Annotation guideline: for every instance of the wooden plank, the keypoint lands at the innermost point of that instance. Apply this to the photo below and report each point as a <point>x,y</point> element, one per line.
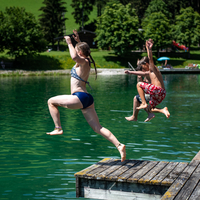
<point>103,175</point>
<point>190,185</point>
<point>123,177</point>
<point>147,177</point>
<point>197,157</point>
<point>94,173</point>
<point>196,193</point>
<point>163,173</point>
<point>114,175</point>
<point>90,168</point>
<point>139,174</point>
<point>114,194</point>
<point>180,181</point>
<point>172,176</point>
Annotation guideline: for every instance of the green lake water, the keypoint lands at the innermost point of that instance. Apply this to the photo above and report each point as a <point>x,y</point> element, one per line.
<point>34,165</point>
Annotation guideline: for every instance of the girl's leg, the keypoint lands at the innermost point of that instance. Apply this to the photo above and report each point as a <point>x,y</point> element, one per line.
<point>67,101</point>
<point>142,96</point>
<point>92,119</point>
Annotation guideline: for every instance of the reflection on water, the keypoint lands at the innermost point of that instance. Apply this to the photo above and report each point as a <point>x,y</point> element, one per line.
<point>34,165</point>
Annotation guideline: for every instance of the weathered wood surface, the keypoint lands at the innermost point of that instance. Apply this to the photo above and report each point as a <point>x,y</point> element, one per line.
<point>134,171</point>
<point>197,157</point>
<point>182,180</point>
<point>176,180</point>
<point>186,185</point>
<point>136,176</point>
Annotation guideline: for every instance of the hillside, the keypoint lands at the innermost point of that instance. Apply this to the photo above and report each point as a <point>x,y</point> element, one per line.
<point>34,6</point>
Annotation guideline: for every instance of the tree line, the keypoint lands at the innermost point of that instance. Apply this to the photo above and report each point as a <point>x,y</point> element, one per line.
<point>122,25</point>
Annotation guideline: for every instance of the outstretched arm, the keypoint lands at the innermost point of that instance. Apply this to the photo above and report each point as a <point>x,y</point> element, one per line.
<point>139,73</point>
<point>149,45</point>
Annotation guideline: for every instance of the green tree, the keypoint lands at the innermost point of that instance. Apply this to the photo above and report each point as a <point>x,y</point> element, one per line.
<point>187,27</point>
<point>52,19</point>
<point>140,6</point>
<point>157,6</point>
<point>174,7</point>
<point>157,27</point>
<point>100,5</point>
<point>82,9</point>
<point>118,28</point>
<point>20,33</point>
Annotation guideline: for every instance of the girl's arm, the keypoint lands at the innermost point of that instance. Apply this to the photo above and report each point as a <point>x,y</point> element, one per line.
<point>138,73</point>
<point>73,52</point>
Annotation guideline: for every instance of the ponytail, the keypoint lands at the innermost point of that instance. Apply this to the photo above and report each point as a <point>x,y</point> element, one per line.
<point>94,65</point>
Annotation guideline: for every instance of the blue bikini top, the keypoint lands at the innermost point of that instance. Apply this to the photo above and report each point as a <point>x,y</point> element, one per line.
<point>75,75</point>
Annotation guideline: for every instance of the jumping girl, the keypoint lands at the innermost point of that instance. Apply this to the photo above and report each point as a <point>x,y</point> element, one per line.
<point>80,98</point>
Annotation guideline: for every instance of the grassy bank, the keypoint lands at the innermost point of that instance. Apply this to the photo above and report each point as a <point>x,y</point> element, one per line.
<point>55,60</point>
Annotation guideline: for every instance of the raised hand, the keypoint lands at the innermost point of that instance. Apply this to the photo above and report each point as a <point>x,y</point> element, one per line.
<point>76,36</point>
<point>150,43</point>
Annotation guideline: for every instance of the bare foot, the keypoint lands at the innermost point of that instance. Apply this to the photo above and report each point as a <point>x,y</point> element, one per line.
<point>150,117</point>
<point>131,118</point>
<point>142,106</point>
<point>166,112</point>
<point>56,131</point>
<point>122,150</point>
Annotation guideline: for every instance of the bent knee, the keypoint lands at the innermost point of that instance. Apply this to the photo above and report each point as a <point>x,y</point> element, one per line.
<point>138,84</point>
<point>96,128</point>
<point>50,102</point>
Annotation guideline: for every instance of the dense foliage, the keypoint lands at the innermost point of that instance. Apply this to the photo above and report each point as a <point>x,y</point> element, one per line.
<point>156,24</point>
<point>117,28</point>
<point>82,9</point>
<point>52,19</point>
<point>118,24</point>
<point>20,33</point>
<point>158,29</point>
<point>187,27</point>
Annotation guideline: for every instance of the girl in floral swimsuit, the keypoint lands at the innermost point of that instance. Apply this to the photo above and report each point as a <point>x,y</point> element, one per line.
<point>80,98</point>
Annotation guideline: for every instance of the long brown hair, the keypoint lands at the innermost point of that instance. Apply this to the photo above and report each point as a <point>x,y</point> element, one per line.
<point>84,47</point>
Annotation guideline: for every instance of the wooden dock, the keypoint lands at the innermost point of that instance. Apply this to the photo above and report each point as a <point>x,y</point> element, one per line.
<point>140,179</point>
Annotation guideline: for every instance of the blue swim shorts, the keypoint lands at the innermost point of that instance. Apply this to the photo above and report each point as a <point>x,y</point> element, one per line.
<point>85,98</point>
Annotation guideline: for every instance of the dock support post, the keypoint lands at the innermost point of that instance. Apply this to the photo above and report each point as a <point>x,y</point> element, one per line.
<point>78,187</point>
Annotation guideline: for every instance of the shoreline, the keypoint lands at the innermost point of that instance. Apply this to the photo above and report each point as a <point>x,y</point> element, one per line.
<point>100,71</point>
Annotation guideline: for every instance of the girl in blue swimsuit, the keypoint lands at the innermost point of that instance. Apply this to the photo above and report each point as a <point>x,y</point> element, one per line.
<point>80,98</point>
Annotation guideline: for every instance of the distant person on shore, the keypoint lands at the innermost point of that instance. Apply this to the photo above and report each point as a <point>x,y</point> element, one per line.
<point>80,98</point>
<point>156,88</point>
<point>3,65</point>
